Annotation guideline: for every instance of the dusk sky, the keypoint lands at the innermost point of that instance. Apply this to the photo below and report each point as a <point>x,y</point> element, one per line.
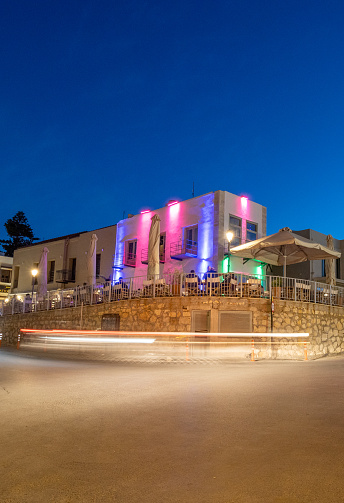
<point>110,107</point>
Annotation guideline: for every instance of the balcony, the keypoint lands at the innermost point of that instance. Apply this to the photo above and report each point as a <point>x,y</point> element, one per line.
<point>65,276</point>
<point>144,256</point>
<point>180,251</point>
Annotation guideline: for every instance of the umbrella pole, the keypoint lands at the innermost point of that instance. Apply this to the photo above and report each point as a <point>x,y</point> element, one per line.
<point>285,266</point>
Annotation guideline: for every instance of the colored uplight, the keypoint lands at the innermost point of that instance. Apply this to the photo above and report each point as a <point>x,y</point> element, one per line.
<point>244,200</point>
<point>171,203</point>
<point>145,211</point>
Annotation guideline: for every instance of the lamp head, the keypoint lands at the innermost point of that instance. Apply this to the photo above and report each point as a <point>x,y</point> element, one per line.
<point>229,236</point>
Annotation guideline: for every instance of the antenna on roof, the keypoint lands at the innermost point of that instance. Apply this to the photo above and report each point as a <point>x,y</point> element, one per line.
<point>193,189</point>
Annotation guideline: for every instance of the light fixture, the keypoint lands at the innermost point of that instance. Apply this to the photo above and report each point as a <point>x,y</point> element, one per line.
<point>229,236</point>
<point>145,211</point>
<point>34,273</point>
<point>172,202</point>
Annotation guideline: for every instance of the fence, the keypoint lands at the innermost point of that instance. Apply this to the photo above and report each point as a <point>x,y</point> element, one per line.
<point>171,285</point>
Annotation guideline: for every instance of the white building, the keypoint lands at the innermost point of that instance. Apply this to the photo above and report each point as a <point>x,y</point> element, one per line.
<point>66,260</point>
<point>6,264</point>
<point>192,236</point>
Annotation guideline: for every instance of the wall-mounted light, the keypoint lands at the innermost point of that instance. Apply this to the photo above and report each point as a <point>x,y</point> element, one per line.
<point>172,202</point>
<point>145,211</point>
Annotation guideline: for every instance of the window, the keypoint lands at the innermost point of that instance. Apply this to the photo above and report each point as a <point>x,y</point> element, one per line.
<point>162,246</point>
<point>130,253</point>
<point>51,271</point>
<point>323,269</point>
<point>235,225</point>
<point>191,240</point>
<point>338,268</point>
<point>98,256</point>
<point>72,269</point>
<point>251,231</point>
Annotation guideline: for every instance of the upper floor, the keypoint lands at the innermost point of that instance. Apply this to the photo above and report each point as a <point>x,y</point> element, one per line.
<point>192,235</point>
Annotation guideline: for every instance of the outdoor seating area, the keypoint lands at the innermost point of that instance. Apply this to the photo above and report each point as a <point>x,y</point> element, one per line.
<point>216,284</point>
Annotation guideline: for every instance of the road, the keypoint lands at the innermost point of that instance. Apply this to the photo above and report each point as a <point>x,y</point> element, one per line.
<point>240,432</point>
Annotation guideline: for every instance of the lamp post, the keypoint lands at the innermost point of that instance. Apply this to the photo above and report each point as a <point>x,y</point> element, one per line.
<point>34,273</point>
<point>229,236</point>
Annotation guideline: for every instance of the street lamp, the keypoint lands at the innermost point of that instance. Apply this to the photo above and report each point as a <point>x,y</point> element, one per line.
<point>34,273</point>
<point>229,236</point>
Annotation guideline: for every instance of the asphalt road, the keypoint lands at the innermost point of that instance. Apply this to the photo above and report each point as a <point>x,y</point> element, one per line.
<point>81,431</point>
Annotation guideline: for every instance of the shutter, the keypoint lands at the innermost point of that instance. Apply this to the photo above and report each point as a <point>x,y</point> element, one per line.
<point>235,321</point>
<point>200,321</point>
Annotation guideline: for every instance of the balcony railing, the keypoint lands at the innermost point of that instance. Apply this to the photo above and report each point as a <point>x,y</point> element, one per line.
<point>144,256</point>
<point>179,250</point>
<point>172,285</point>
<point>65,276</point>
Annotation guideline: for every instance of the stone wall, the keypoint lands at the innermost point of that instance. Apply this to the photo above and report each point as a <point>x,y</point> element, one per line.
<point>324,323</point>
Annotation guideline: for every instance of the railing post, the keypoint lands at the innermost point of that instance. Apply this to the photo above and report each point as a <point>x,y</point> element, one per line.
<point>180,285</point>
<point>315,292</point>
<point>154,286</point>
<point>91,297</point>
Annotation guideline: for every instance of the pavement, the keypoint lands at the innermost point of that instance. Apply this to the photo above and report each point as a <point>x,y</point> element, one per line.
<point>234,432</point>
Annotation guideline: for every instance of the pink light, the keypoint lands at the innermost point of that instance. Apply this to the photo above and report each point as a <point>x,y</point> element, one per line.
<point>145,211</point>
<point>244,200</point>
<point>171,203</point>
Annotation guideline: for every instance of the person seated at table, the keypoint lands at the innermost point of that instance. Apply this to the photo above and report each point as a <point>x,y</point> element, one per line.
<point>211,273</point>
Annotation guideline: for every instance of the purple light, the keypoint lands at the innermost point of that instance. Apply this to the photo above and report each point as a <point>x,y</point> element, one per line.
<point>145,211</point>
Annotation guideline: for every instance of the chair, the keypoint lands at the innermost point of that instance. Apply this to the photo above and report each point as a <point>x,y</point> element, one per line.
<point>191,285</point>
<point>213,285</point>
<point>254,287</point>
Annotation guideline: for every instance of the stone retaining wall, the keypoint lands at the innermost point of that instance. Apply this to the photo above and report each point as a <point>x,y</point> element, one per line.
<point>325,324</point>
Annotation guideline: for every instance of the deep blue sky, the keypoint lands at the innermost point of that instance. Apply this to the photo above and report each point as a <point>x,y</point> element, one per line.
<point>110,107</point>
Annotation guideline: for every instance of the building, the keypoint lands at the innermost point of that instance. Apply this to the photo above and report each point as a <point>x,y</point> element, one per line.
<point>192,236</point>
<point>6,264</point>
<point>66,260</point>
<point>314,270</point>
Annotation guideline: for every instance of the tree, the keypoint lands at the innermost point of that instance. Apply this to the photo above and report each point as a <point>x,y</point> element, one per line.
<point>20,234</point>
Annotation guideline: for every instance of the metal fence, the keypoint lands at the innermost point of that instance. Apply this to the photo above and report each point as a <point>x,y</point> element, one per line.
<point>172,285</point>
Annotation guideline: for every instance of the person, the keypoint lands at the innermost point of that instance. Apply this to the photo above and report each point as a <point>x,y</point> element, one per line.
<point>211,273</point>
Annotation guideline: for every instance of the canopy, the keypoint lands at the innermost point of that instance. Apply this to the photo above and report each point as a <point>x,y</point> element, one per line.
<point>153,247</point>
<point>329,264</point>
<point>92,260</point>
<point>42,273</point>
<point>283,248</point>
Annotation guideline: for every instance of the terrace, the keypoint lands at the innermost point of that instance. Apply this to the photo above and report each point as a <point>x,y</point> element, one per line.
<point>172,285</point>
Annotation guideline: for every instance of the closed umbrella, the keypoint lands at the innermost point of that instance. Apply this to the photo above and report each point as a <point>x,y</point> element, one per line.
<point>329,264</point>
<point>153,248</point>
<point>42,273</point>
<point>283,248</point>
<point>92,260</point>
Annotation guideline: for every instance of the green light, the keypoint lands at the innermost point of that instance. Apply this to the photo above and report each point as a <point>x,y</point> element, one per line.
<point>225,265</point>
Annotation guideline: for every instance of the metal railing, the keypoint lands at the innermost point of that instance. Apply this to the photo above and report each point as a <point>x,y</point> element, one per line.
<point>172,285</point>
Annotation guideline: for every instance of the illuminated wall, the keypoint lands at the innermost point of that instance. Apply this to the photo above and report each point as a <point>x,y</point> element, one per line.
<point>247,210</point>
<point>200,211</point>
<point>174,219</point>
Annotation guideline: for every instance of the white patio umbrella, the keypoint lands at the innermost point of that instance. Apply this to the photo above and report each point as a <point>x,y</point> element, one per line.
<point>92,260</point>
<point>283,248</point>
<point>329,264</point>
<point>42,273</point>
<point>153,247</point>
